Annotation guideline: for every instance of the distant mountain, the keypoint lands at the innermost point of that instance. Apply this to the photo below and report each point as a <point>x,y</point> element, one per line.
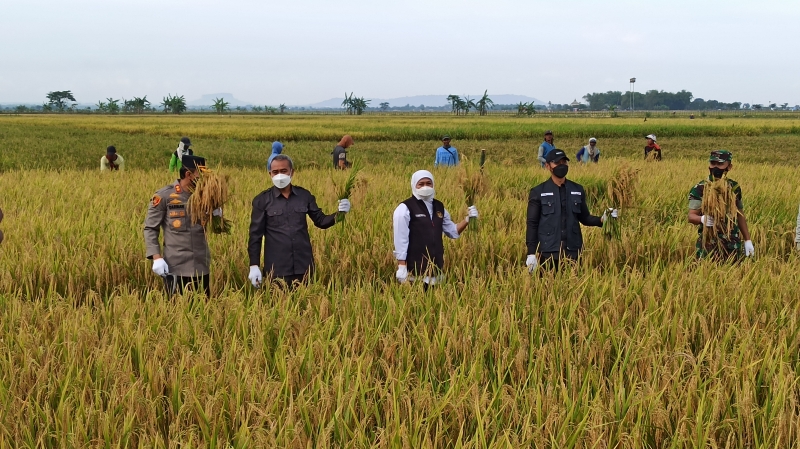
<point>427,100</point>
<point>208,100</point>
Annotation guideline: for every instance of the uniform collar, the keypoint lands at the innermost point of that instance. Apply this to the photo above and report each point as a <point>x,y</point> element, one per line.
<point>276,192</point>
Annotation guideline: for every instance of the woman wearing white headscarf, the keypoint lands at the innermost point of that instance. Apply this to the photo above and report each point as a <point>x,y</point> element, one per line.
<point>419,223</point>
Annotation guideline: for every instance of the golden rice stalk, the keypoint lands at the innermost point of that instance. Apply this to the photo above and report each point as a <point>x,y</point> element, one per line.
<point>473,183</point>
<point>621,193</point>
<point>719,202</point>
<point>344,191</point>
<point>210,193</point>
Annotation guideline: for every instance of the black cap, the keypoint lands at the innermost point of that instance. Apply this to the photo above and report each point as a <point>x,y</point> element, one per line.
<point>555,156</point>
<point>548,132</point>
<point>186,141</point>
<point>111,149</point>
<point>192,162</point>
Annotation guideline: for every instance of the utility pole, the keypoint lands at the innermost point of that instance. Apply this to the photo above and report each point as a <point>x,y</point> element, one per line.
<point>633,81</point>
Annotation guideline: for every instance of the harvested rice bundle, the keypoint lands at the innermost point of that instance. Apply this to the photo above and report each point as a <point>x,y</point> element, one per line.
<point>473,183</point>
<point>621,192</point>
<point>346,190</point>
<point>719,201</point>
<point>205,204</point>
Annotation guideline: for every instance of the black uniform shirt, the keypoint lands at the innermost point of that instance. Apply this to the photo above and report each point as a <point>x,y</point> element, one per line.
<point>282,222</point>
<point>562,190</point>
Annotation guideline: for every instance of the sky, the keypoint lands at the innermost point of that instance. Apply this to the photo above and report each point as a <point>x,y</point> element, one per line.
<point>304,51</point>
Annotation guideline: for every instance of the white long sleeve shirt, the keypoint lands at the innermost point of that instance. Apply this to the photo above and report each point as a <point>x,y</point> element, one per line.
<point>401,220</point>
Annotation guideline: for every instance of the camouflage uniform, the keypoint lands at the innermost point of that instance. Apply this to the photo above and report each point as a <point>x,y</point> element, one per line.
<point>723,246</point>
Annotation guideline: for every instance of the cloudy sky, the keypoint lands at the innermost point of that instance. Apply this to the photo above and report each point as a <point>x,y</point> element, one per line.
<point>305,51</point>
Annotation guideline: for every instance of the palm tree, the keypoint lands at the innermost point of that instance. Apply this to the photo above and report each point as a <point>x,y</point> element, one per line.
<point>347,103</point>
<point>467,104</point>
<point>359,104</point>
<point>220,105</point>
<point>113,105</point>
<point>454,102</point>
<point>282,108</point>
<point>484,104</point>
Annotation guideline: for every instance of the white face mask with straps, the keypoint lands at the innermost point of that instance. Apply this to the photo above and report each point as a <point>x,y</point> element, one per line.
<point>425,193</point>
<point>281,180</point>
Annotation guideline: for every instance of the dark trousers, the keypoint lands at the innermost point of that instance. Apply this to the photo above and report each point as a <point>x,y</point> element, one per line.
<point>179,284</point>
<point>553,260</point>
<point>291,281</point>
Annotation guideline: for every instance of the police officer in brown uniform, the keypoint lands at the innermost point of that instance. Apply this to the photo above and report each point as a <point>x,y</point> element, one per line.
<point>185,258</point>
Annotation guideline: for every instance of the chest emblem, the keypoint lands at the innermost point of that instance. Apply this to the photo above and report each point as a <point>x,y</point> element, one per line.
<point>175,202</point>
<point>439,214</point>
<point>173,195</point>
<point>176,224</point>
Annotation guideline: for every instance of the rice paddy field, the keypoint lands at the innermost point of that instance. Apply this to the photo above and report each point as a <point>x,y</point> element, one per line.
<point>638,345</point>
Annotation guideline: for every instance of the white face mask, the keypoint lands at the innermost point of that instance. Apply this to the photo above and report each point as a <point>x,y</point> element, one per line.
<point>425,192</point>
<point>281,180</point>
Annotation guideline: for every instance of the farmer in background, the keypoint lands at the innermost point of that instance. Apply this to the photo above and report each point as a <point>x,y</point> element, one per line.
<point>589,153</point>
<point>652,147</point>
<point>184,148</point>
<point>112,160</point>
<point>419,223</point>
<point>446,155</point>
<point>726,243</point>
<point>546,147</point>
<point>277,148</point>
<point>340,161</point>
<point>184,259</point>
<point>1,220</point>
<point>279,217</point>
<point>556,209</point>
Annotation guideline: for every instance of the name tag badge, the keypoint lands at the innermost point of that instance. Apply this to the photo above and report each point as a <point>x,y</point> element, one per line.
<point>421,216</point>
<point>575,193</point>
<point>547,194</point>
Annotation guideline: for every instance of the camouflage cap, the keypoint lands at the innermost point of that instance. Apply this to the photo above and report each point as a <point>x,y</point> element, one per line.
<point>721,156</point>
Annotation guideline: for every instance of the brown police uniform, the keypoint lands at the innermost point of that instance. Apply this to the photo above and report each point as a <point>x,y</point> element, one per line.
<point>185,245</point>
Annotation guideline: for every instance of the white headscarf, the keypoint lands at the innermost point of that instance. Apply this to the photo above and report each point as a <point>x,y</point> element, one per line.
<point>419,174</point>
<point>179,151</point>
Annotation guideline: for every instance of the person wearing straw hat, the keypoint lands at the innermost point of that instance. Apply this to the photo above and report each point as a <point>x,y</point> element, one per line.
<point>652,147</point>
<point>446,155</point>
<point>728,242</point>
<point>279,228</point>
<point>419,223</point>
<point>185,259</point>
<point>184,148</point>
<point>112,161</point>
<point>556,209</point>
<point>589,153</point>
<point>546,147</point>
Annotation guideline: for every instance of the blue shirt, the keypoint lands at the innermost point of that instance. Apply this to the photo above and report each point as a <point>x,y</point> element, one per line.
<point>446,157</point>
<point>545,148</point>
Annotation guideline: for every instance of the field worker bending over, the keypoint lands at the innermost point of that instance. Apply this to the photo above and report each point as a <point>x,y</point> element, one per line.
<point>652,147</point>
<point>419,223</point>
<point>185,258</point>
<point>277,148</point>
<point>279,217</point>
<point>340,161</point>
<point>446,156</point>
<point>589,153</point>
<point>184,148</point>
<point>112,160</point>
<point>718,237</point>
<point>556,210</point>
<point>546,147</point>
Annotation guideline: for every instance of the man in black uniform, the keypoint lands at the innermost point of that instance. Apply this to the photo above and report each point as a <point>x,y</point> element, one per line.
<point>279,216</point>
<point>556,209</point>
<point>185,259</point>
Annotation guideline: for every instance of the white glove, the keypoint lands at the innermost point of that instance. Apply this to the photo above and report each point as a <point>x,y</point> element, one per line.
<point>472,212</point>
<point>614,214</point>
<point>344,206</point>
<point>748,248</point>
<point>160,267</point>
<point>217,212</point>
<point>255,276</point>
<point>707,220</point>
<point>531,263</point>
<point>402,273</point>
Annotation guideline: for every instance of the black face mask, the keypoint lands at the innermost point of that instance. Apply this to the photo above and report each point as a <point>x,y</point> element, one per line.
<point>717,172</point>
<point>561,171</point>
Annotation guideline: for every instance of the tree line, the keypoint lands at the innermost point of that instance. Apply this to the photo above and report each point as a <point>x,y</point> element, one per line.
<point>660,100</point>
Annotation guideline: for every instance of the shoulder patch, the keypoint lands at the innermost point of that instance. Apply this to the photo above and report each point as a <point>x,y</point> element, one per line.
<point>178,188</point>
<point>156,200</point>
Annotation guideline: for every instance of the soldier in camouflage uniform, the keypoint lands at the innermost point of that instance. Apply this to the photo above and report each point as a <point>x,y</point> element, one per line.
<point>185,258</point>
<point>724,246</point>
